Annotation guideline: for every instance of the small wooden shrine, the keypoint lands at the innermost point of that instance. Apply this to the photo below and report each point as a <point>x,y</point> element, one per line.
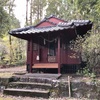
<point>48,42</point>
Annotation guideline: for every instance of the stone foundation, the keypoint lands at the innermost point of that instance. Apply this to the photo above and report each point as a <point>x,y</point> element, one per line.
<point>79,89</point>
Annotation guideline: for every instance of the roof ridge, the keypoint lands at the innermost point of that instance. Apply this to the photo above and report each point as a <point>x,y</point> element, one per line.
<point>51,22</point>
<point>53,16</point>
<point>47,19</point>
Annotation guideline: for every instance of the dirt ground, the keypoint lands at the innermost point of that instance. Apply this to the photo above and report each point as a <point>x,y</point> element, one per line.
<point>8,72</point>
<point>14,69</point>
<point>4,97</point>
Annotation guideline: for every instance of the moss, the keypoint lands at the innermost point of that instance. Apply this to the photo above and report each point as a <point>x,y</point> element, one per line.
<point>3,98</point>
<point>6,75</point>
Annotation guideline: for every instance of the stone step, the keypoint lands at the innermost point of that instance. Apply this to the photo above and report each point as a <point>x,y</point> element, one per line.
<point>33,80</point>
<point>27,92</point>
<point>29,85</point>
<point>37,78</point>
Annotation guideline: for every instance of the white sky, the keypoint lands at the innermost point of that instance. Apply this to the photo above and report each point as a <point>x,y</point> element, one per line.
<point>20,11</point>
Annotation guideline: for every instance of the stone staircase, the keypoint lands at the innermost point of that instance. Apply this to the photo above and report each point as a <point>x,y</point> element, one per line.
<point>29,85</point>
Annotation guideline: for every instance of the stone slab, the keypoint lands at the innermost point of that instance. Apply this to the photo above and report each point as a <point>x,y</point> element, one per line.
<point>39,75</point>
<point>24,92</point>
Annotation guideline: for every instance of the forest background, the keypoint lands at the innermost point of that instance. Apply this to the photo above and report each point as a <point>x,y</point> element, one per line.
<point>13,50</point>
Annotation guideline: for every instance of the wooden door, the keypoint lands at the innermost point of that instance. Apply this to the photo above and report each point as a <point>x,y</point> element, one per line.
<point>52,52</point>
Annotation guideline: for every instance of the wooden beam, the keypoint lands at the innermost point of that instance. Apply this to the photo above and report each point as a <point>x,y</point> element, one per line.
<point>31,55</point>
<point>59,54</point>
<point>27,56</point>
<point>45,65</point>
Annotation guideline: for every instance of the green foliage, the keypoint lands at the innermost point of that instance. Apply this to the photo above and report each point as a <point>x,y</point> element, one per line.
<point>66,9</point>
<point>89,48</point>
<point>55,7</point>
<point>75,9</point>
<point>12,50</point>
<point>5,17</point>
<point>4,21</point>
<point>86,72</point>
<point>13,54</point>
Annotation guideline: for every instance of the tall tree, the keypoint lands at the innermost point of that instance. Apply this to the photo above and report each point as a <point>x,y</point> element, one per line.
<point>4,15</point>
<point>27,7</point>
<point>36,10</point>
<point>56,7</point>
<point>12,49</point>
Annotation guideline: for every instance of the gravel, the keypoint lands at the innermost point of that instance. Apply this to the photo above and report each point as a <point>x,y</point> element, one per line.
<point>4,97</point>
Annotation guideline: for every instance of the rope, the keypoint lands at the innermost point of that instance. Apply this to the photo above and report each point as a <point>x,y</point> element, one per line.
<point>49,40</point>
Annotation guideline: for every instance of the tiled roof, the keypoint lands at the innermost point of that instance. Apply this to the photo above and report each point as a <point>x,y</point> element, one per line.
<point>40,30</point>
<point>56,27</point>
<point>81,22</point>
<point>20,29</point>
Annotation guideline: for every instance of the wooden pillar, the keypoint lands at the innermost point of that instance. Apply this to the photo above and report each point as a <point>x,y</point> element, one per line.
<point>59,54</point>
<point>31,55</point>
<point>27,64</point>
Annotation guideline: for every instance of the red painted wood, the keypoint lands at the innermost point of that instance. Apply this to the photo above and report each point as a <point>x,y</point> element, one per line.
<point>43,55</point>
<point>45,24</point>
<point>28,52</point>
<point>50,22</point>
<point>73,58</point>
<point>64,56</point>
<point>46,65</point>
<point>59,55</point>
<point>35,54</point>
<point>69,57</point>
<point>31,55</point>
<point>55,20</point>
<point>43,51</point>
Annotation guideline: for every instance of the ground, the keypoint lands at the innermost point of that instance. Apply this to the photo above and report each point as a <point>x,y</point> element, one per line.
<point>4,97</point>
<point>8,72</point>
<point>28,98</point>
